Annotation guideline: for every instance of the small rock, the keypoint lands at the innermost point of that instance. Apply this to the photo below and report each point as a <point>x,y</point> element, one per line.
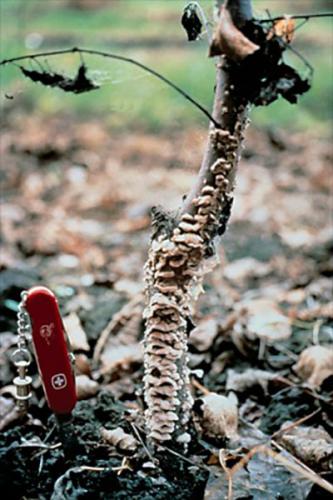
<point>85,387</point>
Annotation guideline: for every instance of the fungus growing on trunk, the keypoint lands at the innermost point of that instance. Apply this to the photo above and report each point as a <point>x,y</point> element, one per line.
<point>176,265</point>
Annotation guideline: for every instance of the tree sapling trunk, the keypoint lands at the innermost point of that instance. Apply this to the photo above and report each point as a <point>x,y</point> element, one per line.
<point>178,254</point>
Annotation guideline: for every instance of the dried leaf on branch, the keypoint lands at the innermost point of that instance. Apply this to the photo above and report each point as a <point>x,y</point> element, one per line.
<point>191,22</point>
<point>283,28</point>
<point>254,59</point>
<point>229,40</point>
<point>79,84</point>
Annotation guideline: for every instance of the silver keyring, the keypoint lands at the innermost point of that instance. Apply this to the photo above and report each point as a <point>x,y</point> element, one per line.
<point>25,356</point>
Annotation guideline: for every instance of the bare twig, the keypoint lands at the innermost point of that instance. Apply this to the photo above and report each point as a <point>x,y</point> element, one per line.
<point>80,51</point>
<point>296,16</point>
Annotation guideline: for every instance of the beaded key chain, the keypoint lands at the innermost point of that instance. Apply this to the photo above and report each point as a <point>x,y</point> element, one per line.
<point>21,357</point>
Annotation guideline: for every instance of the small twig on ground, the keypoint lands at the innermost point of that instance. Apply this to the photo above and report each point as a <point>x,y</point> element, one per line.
<point>45,450</point>
<point>295,424</point>
<point>286,351</point>
<point>137,433</point>
<point>200,387</point>
<point>179,455</point>
<point>124,466</point>
<point>298,467</point>
<point>316,331</point>
<point>94,469</point>
<point>226,470</point>
<point>49,434</point>
<point>39,445</point>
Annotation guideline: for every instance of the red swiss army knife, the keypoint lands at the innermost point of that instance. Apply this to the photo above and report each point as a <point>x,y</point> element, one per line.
<point>50,343</point>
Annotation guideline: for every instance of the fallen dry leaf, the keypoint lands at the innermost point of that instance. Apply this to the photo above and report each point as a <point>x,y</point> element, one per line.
<point>297,237</point>
<point>240,382</point>
<point>295,296</point>
<point>8,412</point>
<point>219,415</point>
<point>123,329</point>
<point>120,357</point>
<point>203,335</point>
<point>315,364</point>
<point>243,269</point>
<point>82,364</point>
<point>312,445</point>
<point>76,334</point>
<point>266,321</point>
<point>318,311</point>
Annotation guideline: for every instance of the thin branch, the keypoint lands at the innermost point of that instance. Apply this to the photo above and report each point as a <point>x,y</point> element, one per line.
<point>224,114</point>
<point>295,424</point>
<point>119,58</point>
<point>227,472</point>
<point>142,443</point>
<point>296,16</point>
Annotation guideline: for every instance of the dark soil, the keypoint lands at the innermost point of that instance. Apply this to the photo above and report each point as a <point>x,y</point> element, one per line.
<point>58,475</point>
<point>78,222</point>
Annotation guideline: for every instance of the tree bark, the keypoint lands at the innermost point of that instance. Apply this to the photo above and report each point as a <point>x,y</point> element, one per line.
<point>177,256</point>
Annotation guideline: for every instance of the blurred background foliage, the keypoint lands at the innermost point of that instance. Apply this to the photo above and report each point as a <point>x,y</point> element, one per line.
<point>150,31</point>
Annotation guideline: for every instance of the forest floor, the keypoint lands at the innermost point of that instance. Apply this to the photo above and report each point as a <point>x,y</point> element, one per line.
<point>75,216</point>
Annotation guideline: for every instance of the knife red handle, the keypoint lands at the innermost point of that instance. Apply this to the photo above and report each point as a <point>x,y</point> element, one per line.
<point>52,355</point>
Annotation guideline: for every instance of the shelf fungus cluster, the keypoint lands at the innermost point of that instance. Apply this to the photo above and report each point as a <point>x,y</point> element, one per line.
<point>173,274</point>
